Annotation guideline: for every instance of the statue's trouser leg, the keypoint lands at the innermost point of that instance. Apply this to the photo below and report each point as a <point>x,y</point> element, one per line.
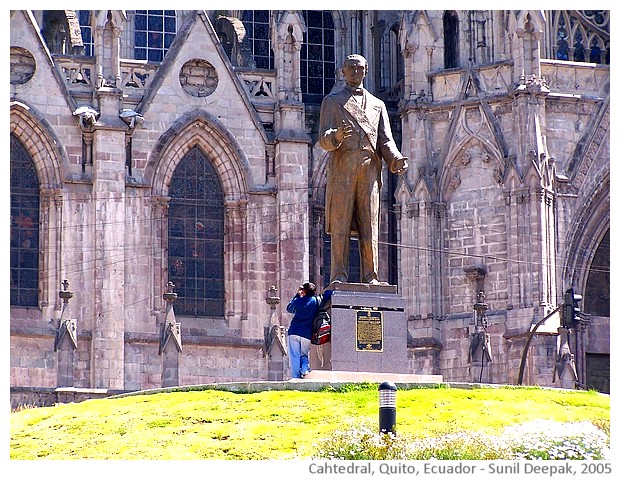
<point>341,213</point>
<point>339,257</point>
<point>367,211</point>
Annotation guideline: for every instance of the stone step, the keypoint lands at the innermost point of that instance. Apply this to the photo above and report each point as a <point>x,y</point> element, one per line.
<point>343,376</point>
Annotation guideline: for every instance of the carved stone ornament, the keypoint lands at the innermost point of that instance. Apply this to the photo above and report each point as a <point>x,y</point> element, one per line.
<point>454,179</point>
<point>67,328</point>
<point>198,78</point>
<point>170,329</point>
<point>534,84</point>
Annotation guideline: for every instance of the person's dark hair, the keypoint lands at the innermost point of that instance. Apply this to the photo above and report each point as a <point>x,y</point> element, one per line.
<point>309,288</point>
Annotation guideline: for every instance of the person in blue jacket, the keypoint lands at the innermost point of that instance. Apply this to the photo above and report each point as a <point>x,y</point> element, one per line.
<point>304,306</point>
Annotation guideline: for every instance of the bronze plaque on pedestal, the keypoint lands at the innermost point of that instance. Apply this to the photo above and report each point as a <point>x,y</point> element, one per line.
<point>369,331</point>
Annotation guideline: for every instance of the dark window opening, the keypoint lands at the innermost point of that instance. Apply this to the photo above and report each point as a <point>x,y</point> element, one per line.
<point>87,32</point>
<point>154,32</point>
<point>318,57</point>
<point>596,299</point>
<point>451,39</point>
<point>256,23</point>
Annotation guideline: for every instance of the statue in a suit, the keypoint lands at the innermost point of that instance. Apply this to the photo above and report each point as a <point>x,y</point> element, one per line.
<point>355,128</point>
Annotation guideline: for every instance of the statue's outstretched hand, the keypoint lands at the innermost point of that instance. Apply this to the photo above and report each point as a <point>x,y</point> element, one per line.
<point>399,165</point>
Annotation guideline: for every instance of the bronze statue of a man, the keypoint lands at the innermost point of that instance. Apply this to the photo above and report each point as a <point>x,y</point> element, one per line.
<point>355,128</point>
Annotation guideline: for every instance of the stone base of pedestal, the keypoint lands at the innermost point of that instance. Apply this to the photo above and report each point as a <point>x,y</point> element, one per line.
<point>369,331</point>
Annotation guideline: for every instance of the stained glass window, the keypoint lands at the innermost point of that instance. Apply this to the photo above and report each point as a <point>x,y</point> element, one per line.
<point>256,24</point>
<point>154,32</point>
<point>581,35</point>
<point>579,52</point>
<point>196,237</point>
<point>562,34</point>
<point>24,227</point>
<point>318,57</point>
<point>595,51</point>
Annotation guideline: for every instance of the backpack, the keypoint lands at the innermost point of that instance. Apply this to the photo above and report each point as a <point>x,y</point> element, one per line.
<point>321,329</point>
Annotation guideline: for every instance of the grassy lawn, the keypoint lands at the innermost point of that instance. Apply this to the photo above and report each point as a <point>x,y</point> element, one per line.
<point>275,425</point>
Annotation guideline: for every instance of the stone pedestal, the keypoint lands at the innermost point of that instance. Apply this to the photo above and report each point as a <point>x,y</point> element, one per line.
<point>369,331</point>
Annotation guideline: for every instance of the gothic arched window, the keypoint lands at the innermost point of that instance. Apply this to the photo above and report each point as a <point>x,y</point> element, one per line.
<point>581,35</point>
<point>579,49</point>
<point>154,33</point>
<point>256,23</point>
<point>24,227</point>
<point>597,292</point>
<point>318,56</point>
<point>397,62</point>
<point>595,51</point>
<point>196,237</point>
<point>396,66</point>
<point>451,39</point>
<point>562,35</point>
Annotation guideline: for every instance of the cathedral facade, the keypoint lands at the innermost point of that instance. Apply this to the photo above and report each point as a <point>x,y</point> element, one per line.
<point>167,191</point>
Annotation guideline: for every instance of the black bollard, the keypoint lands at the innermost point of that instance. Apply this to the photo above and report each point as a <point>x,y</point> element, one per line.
<point>387,407</point>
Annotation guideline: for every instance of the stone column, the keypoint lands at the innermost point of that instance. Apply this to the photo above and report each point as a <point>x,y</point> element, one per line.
<point>50,242</point>
<point>236,266</point>
<point>107,37</point>
<point>291,157</point>
<point>159,222</point>
<point>107,355</point>
<point>533,217</point>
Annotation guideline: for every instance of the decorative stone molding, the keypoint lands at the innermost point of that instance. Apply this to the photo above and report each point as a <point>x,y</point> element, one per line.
<point>454,179</point>
<point>476,273</point>
<point>23,66</point>
<point>272,297</point>
<point>534,84</point>
<point>413,210</point>
<point>522,196</point>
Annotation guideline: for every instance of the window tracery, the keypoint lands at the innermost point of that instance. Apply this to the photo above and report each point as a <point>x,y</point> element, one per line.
<point>24,231</point>
<point>581,35</point>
